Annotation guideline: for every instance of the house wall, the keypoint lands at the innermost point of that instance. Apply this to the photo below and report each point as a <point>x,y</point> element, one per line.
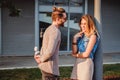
<point>110,11</point>
<point>0,34</point>
<point>111,25</point>
<point>18,32</point>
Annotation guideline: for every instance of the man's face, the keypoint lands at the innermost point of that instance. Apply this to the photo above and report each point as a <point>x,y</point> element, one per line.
<point>63,20</point>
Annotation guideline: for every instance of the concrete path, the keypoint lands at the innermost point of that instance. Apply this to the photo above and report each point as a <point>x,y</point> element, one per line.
<point>64,60</point>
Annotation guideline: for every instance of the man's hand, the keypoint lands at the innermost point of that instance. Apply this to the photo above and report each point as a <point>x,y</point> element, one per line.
<point>37,58</point>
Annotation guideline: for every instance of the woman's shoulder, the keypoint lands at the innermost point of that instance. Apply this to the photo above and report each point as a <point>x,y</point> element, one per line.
<point>93,36</point>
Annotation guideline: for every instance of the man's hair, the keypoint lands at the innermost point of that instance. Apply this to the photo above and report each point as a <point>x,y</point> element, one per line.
<point>57,13</point>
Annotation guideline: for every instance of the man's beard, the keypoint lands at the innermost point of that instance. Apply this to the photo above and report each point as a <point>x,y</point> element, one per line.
<point>62,24</point>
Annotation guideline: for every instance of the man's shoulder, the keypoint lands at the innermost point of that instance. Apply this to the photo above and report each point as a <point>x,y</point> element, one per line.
<point>52,28</point>
<point>48,28</point>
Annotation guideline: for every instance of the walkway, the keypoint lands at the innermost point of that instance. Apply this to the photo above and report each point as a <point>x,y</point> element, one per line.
<point>65,60</point>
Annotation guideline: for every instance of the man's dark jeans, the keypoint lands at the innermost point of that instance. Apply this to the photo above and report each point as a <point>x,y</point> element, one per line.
<point>49,76</point>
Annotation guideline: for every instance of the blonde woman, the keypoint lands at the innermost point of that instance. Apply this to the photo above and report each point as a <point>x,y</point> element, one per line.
<point>83,48</point>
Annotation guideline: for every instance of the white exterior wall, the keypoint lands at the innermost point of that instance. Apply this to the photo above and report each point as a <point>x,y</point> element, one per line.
<point>111,25</point>
<point>0,34</point>
<point>18,32</point>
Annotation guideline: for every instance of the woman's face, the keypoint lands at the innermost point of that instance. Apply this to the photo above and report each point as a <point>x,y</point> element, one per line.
<point>83,25</point>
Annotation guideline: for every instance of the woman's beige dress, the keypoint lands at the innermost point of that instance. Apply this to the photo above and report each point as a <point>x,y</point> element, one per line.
<point>83,68</point>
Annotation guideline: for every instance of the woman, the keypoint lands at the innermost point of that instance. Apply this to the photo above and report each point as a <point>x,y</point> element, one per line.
<point>83,48</point>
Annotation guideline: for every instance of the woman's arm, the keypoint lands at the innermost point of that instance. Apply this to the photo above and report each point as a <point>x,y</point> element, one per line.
<point>89,48</point>
<point>74,43</point>
<point>74,47</point>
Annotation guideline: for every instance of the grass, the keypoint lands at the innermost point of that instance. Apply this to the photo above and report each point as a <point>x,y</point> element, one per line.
<point>35,74</point>
<point>111,72</point>
<point>111,69</point>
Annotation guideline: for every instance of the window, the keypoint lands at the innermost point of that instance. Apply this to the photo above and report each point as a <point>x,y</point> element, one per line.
<point>74,9</point>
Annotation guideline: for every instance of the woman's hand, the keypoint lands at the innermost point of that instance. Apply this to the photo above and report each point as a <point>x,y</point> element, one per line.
<point>74,54</point>
<point>76,36</point>
<point>37,58</point>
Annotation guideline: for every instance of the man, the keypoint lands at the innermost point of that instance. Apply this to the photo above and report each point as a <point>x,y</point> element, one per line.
<point>48,58</point>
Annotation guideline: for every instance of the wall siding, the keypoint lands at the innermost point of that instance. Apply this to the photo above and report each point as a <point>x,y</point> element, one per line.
<point>111,25</point>
<point>18,32</point>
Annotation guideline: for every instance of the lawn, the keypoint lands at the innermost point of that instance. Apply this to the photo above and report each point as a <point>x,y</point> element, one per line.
<point>109,71</point>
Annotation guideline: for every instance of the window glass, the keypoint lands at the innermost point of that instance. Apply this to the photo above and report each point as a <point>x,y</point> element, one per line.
<point>74,10</point>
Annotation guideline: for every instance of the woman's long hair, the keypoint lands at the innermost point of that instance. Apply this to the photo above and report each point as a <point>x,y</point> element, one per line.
<point>91,28</point>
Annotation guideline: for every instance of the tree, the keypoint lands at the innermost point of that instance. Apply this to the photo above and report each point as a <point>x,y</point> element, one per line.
<point>13,11</point>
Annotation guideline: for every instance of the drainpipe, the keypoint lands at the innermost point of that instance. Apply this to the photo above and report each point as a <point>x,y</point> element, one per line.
<point>0,34</point>
<point>37,24</point>
<point>98,62</point>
